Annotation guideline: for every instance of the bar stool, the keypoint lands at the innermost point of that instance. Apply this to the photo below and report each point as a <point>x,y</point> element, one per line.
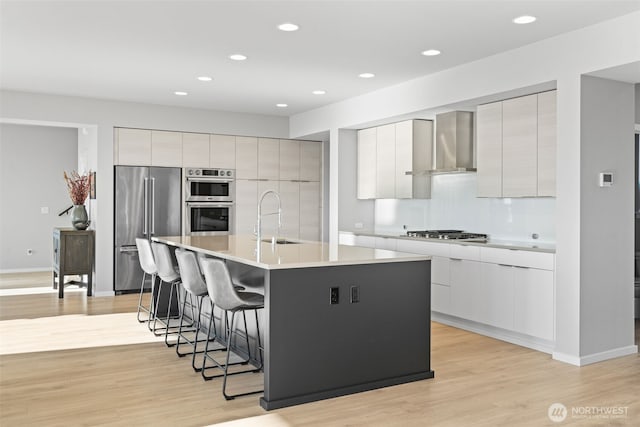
<point>223,294</point>
<point>171,277</point>
<point>148,265</point>
<point>195,286</point>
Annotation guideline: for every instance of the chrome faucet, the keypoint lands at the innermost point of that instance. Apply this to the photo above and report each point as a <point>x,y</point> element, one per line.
<point>260,215</point>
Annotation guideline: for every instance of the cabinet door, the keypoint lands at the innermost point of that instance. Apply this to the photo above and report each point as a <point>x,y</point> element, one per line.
<point>133,147</point>
<point>268,158</point>
<point>495,304</point>
<point>440,270</point>
<point>310,161</point>
<point>520,147</point>
<point>246,157</point>
<point>422,157</point>
<point>290,196</point>
<point>440,298</point>
<point>365,241</point>
<point>404,157</point>
<point>386,162</point>
<point>489,149</point>
<point>246,205</point>
<point>387,243</point>
<point>222,150</point>
<point>289,160</point>
<point>547,123</point>
<point>166,148</point>
<point>269,206</point>
<point>534,303</point>
<point>195,150</point>
<point>310,211</point>
<point>366,164</point>
<point>466,288</point>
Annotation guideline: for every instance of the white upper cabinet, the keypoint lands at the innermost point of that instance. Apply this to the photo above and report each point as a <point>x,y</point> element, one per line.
<point>310,161</point>
<point>166,148</point>
<point>489,149</point>
<point>386,162</point>
<point>268,158</point>
<point>246,203</point>
<point>290,196</point>
<point>520,147</point>
<point>289,160</point>
<point>393,160</point>
<point>133,147</point>
<point>366,181</point>
<point>246,157</point>
<point>195,150</point>
<point>547,124</point>
<point>516,147</point>
<point>222,151</point>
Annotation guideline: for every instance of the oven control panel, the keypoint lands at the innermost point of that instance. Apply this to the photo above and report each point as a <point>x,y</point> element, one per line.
<point>214,173</point>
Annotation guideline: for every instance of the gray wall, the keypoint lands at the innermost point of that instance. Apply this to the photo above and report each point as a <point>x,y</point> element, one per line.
<point>32,160</point>
<point>607,220</point>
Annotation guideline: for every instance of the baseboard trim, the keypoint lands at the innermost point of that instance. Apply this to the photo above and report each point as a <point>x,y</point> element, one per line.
<point>25,270</point>
<point>512,337</point>
<point>103,293</point>
<point>596,357</point>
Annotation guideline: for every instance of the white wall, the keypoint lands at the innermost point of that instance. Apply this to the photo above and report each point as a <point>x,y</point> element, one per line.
<point>32,161</point>
<point>607,245</point>
<point>454,205</point>
<point>100,117</point>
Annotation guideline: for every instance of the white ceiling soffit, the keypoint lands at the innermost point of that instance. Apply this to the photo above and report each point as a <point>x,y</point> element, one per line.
<point>145,51</point>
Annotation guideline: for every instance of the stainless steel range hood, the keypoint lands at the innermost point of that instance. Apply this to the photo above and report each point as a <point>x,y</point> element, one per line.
<point>454,142</point>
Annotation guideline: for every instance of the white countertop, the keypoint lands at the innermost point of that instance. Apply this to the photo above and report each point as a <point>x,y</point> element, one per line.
<point>243,248</point>
<point>491,243</point>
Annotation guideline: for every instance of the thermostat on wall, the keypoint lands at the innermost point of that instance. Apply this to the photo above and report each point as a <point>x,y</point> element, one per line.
<point>606,179</point>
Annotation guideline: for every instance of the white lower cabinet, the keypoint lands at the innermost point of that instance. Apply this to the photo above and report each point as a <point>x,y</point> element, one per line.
<point>388,243</point>
<point>495,305</point>
<point>534,302</point>
<point>465,289</point>
<point>440,298</point>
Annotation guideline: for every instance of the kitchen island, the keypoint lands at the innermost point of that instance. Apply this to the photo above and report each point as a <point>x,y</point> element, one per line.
<point>337,319</point>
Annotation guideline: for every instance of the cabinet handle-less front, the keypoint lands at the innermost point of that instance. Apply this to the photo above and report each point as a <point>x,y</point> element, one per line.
<point>153,206</point>
<point>146,206</point>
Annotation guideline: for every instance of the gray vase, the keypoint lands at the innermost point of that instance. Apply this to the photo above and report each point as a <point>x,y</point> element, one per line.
<point>79,217</point>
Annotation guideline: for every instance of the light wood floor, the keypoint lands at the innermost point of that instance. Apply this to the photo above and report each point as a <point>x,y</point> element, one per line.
<point>479,381</point>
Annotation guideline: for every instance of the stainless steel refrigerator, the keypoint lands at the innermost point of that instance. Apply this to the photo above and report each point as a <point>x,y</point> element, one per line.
<point>147,203</point>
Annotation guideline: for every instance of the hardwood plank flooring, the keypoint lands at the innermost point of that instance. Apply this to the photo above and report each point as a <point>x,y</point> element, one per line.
<point>479,381</point>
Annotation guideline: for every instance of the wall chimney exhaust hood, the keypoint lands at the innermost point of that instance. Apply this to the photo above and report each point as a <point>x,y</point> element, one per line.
<point>454,143</point>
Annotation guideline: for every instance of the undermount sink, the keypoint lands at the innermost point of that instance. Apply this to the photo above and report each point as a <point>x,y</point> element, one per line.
<point>281,241</point>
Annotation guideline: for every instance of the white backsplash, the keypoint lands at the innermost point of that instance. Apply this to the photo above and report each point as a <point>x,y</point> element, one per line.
<point>454,205</point>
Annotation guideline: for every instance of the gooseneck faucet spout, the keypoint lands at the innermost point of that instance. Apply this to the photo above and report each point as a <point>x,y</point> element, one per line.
<point>260,215</point>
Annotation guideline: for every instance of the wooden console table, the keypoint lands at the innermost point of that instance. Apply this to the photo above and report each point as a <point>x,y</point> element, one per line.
<point>73,254</point>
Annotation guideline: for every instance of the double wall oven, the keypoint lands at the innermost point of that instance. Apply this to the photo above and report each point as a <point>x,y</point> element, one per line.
<point>209,201</point>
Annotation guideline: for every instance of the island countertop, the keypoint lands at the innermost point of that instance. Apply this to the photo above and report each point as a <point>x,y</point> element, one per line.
<point>301,254</point>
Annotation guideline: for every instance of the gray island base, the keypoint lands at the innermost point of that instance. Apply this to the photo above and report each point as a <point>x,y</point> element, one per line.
<point>318,343</point>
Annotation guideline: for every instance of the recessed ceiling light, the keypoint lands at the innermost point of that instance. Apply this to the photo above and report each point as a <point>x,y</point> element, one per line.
<point>319,92</point>
<point>237,57</point>
<point>524,19</point>
<point>288,26</point>
<point>281,105</point>
<point>180,93</point>
<point>431,52</point>
<point>366,75</point>
<point>205,78</point>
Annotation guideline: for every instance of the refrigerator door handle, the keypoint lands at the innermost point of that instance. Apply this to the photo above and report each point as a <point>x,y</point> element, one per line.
<point>124,249</point>
<point>146,206</point>
<point>153,206</point>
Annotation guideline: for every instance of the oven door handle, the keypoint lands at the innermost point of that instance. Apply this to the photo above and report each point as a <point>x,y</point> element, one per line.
<point>209,205</point>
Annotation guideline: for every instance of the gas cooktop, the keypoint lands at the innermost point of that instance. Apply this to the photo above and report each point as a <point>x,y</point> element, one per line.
<point>449,235</point>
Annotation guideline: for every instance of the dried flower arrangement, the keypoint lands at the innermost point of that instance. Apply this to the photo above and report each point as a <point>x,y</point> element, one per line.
<point>78,186</point>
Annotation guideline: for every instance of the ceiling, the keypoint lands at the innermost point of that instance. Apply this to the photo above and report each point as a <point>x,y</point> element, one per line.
<point>144,51</point>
